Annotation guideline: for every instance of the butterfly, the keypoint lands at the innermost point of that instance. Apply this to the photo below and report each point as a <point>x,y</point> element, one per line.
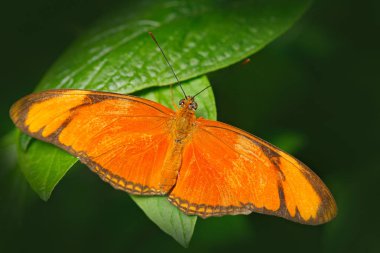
<point>205,167</point>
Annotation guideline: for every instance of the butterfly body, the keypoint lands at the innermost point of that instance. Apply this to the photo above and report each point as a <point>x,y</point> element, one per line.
<point>180,126</point>
<point>206,168</point>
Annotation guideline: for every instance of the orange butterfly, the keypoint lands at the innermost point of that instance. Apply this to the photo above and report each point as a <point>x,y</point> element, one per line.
<point>207,168</point>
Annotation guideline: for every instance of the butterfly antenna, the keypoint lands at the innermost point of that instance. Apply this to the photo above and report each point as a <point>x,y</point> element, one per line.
<point>167,61</point>
<point>201,91</point>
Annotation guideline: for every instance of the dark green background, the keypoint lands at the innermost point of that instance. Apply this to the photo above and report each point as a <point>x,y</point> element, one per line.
<point>317,86</point>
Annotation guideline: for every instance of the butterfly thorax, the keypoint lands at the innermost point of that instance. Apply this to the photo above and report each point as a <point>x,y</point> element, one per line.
<point>182,126</point>
<point>184,121</point>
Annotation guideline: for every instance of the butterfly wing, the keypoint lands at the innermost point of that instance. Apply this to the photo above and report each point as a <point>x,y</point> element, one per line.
<point>122,138</point>
<point>228,171</point>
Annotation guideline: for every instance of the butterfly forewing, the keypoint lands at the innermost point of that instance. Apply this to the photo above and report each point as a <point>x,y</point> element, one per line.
<point>228,171</point>
<point>123,138</point>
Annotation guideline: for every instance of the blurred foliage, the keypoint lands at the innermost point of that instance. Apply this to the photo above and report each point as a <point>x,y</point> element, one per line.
<point>318,83</point>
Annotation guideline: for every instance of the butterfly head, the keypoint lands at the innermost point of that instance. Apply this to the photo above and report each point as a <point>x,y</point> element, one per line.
<point>188,103</point>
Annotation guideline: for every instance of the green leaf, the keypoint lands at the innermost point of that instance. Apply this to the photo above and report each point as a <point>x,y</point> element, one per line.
<point>118,55</point>
<point>44,166</point>
<point>198,36</point>
<point>24,141</point>
<point>169,218</point>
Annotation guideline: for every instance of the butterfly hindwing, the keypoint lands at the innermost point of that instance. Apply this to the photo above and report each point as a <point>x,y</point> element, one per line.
<point>228,171</point>
<point>122,138</point>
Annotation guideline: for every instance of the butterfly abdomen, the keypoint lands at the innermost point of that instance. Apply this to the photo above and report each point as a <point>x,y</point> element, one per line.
<point>183,124</point>
<point>171,167</point>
